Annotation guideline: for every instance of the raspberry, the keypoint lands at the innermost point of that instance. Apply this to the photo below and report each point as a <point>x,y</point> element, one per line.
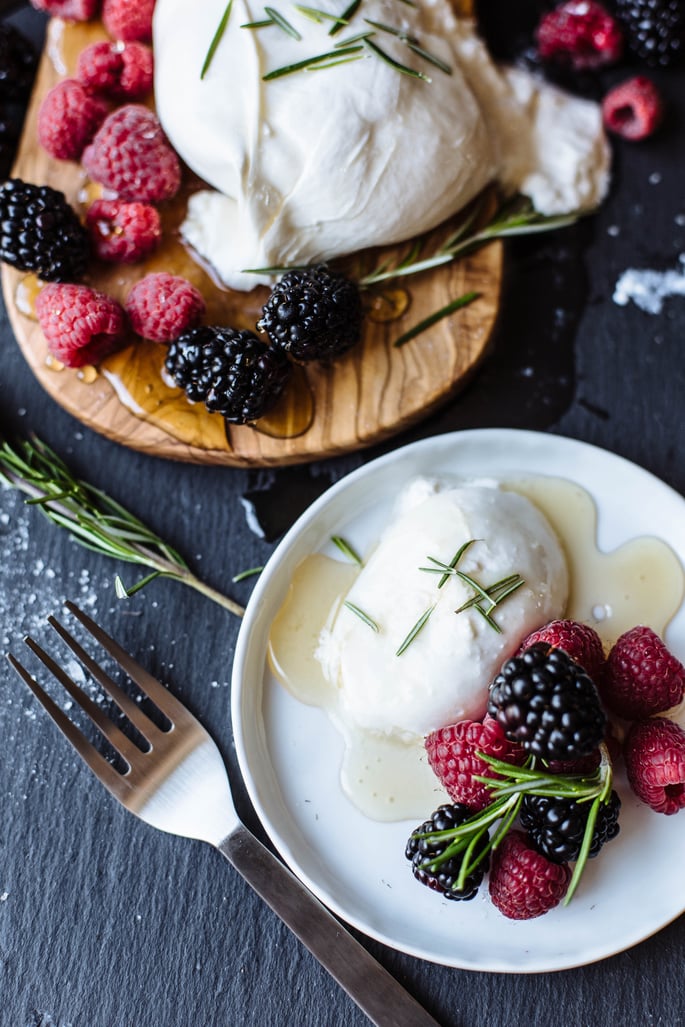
<point>643,676</point>
<point>123,232</point>
<point>548,704</point>
<point>634,109</point>
<point>654,754</point>
<point>452,755</point>
<point>442,876</point>
<point>68,118</point>
<point>581,33</point>
<point>523,884</point>
<point>579,641</point>
<point>81,326</point>
<point>129,19</point>
<point>131,156</point>
<point>120,70</point>
<point>70,10</point>
<point>162,306</point>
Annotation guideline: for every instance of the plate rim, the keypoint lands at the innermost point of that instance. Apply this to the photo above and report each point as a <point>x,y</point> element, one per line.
<point>438,443</point>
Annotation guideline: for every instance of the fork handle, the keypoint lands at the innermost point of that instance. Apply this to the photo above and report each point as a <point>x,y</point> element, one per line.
<point>375,991</point>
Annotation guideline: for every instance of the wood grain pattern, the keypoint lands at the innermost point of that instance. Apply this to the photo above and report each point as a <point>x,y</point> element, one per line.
<point>370,394</point>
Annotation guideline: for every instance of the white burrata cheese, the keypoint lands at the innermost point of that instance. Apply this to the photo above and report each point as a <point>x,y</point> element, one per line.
<point>319,163</point>
<point>444,674</point>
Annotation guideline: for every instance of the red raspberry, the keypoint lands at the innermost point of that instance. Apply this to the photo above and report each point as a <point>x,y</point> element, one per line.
<point>123,233</point>
<point>131,156</point>
<point>643,677</point>
<point>452,755</point>
<point>70,10</point>
<point>579,641</point>
<point>581,33</point>
<point>634,109</point>
<point>81,326</point>
<point>161,306</point>
<point>654,754</point>
<point>523,884</point>
<point>121,70</point>
<point>129,19</point>
<point>68,118</point>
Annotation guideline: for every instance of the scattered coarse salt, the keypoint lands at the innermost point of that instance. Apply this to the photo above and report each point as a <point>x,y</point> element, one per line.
<point>648,289</point>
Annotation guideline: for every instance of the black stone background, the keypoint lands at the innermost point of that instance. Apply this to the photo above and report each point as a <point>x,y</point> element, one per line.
<point>105,922</point>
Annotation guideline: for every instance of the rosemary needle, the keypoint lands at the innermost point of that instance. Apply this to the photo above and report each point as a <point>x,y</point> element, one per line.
<point>216,39</point>
<point>94,519</point>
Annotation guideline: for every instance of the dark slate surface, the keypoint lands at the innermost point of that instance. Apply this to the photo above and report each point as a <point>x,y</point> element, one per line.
<point>106,923</point>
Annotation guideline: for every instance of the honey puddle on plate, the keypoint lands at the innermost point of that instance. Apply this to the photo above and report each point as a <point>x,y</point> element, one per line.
<point>641,582</point>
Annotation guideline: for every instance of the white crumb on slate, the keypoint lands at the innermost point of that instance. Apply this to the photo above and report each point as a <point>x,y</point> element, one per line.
<point>648,289</point>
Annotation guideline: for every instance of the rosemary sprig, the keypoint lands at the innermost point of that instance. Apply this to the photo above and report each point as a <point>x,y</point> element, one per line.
<point>411,42</point>
<point>508,790</point>
<point>362,616</point>
<point>283,23</point>
<point>94,519</point>
<point>514,218</point>
<point>415,630</point>
<point>216,39</point>
<point>309,63</point>
<point>346,17</point>
<point>403,69</point>
<point>317,15</point>
<point>347,550</point>
<point>491,595</point>
<point>437,315</point>
<point>250,572</point>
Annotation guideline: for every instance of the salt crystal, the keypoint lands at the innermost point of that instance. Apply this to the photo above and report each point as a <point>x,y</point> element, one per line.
<point>648,289</point>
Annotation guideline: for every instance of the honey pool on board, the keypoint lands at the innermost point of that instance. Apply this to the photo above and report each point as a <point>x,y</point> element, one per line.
<point>640,582</point>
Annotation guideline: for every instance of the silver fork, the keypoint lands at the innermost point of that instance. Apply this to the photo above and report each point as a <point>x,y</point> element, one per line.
<point>180,785</point>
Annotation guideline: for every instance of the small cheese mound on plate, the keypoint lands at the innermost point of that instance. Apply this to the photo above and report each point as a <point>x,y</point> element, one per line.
<point>444,673</point>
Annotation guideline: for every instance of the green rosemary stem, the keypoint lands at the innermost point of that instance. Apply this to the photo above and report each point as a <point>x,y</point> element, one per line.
<point>94,519</point>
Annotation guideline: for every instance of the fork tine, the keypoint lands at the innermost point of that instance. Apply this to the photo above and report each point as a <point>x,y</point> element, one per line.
<point>160,696</point>
<point>113,781</point>
<point>127,706</point>
<point>114,735</point>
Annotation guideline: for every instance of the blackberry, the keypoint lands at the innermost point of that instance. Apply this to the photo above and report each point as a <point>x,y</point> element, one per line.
<point>654,30</point>
<point>17,64</point>
<point>232,372</point>
<point>444,876</point>
<point>40,232</point>
<point>547,703</point>
<point>556,826</point>
<point>313,314</point>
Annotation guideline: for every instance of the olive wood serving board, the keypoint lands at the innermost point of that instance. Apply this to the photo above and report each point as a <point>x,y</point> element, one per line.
<point>371,393</point>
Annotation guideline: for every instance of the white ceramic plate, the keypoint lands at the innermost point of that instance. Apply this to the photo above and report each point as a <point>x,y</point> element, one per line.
<point>290,754</point>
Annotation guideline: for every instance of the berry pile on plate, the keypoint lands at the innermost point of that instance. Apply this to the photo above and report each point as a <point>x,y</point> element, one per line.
<point>532,783</point>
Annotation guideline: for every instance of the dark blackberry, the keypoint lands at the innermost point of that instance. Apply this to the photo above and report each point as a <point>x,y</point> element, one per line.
<point>232,372</point>
<point>556,826</point>
<point>654,30</point>
<point>313,314</point>
<point>423,850</point>
<point>17,64</point>
<point>547,703</point>
<point>40,232</point>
